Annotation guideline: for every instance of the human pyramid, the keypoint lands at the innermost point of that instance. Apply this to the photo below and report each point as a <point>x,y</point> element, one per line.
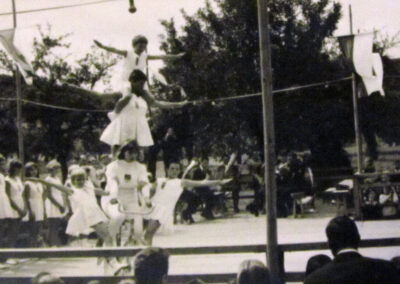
<point>129,197</point>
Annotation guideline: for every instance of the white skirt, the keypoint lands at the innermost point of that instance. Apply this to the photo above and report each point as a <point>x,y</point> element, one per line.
<point>124,127</point>
<point>82,221</point>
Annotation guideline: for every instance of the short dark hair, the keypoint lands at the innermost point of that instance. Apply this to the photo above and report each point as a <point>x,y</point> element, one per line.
<point>137,75</point>
<point>28,169</point>
<point>14,165</point>
<point>151,265</point>
<point>342,233</point>
<point>132,145</point>
<point>139,39</point>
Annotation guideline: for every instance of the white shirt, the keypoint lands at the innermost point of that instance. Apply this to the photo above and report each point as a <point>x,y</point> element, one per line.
<point>121,174</point>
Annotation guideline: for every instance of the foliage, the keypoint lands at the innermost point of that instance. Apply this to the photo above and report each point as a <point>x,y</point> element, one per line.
<point>50,131</point>
<point>222,60</point>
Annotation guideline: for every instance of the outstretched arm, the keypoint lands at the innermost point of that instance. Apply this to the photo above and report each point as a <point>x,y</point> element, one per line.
<point>165,57</point>
<point>152,101</point>
<point>111,49</point>
<point>200,183</point>
<point>60,187</point>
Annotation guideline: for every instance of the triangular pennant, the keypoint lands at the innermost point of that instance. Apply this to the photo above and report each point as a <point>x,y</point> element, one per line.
<point>7,40</point>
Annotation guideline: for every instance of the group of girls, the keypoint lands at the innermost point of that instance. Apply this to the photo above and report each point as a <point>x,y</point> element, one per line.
<point>28,200</point>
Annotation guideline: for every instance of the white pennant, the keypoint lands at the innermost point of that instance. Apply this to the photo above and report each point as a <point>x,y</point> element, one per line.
<point>7,40</point>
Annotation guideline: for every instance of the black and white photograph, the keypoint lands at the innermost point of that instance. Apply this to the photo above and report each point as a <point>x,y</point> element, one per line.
<point>199,141</point>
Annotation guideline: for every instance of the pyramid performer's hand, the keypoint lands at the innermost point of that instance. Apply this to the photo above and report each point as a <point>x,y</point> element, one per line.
<point>98,43</point>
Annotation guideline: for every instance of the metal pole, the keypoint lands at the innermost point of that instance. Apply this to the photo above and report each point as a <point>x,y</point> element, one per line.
<point>19,95</point>
<point>273,259</point>
<point>355,109</point>
<point>357,190</point>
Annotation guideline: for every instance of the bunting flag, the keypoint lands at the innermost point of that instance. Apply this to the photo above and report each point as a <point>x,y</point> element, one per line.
<point>368,65</point>
<point>7,40</point>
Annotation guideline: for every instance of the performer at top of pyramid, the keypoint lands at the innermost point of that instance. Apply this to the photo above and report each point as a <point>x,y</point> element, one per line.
<point>136,58</point>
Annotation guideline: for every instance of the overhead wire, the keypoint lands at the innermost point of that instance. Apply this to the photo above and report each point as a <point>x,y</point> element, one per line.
<point>290,89</point>
<point>58,7</point>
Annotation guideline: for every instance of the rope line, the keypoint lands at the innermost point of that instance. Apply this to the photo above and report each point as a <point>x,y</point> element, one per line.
<point>290,89</point>
<point>54,106</point>
<point>58,7</point>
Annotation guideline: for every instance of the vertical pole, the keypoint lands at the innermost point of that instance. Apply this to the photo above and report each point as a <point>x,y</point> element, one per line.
<point>355,109</point>
<point>19,95</point>
<point>269,140</point>
<point>356,185</point>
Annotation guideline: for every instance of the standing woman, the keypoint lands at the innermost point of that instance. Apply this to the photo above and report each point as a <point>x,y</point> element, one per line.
<point>34,200</point>
<point>55,203</point>
<point>14,191</point>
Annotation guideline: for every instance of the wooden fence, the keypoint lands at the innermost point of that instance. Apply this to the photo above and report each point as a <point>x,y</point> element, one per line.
<point>290,276</point>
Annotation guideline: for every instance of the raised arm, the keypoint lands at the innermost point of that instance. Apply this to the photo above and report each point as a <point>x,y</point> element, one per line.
<point>119,106</point>
<point>152,101</point>
<point>111,49</point>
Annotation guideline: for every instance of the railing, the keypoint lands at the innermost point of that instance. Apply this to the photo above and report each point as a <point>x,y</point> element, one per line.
<point>206,250</point>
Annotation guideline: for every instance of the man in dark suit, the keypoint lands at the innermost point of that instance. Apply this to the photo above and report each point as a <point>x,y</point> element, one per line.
<point>348,265</point>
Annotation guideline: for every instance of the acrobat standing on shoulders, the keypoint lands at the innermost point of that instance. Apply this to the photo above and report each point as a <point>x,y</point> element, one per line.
<point>128,120</point>
<point>136,58</point>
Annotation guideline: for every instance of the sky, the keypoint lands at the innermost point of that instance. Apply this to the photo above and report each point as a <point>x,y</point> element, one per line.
<point>112,24</point>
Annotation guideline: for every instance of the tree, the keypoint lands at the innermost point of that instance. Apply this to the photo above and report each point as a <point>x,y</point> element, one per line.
<point>222,60</point>
<point>52,131</point>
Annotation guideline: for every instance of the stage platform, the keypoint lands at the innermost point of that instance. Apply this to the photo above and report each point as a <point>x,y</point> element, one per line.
<point>241,229</point>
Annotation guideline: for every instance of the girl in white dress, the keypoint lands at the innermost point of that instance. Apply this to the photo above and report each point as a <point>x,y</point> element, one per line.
<point>55,204</point>
<point>87,216</point>
<point>34,200</point>
<point>16,211</point>
<point>167,192</point>
<point>128,120</point>
<point>125,179</point>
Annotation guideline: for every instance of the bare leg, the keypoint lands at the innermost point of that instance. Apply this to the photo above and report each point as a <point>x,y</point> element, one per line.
<point>102,232</point>
<point>138,227</point>
<point>151,229</point>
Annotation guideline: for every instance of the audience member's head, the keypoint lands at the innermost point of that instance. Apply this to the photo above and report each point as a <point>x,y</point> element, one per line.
<point>396,261</point>
<point>342,233</point>
<point>46,278</point>
<point>253,272</point>
<point>151,266</point>
<point>316,262</point>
